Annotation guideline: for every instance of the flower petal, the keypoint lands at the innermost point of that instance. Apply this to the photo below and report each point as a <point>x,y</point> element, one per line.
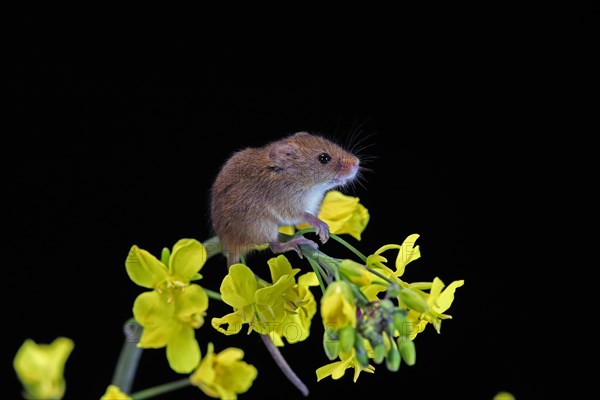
<point>308,279</point>
<point>408,253</point>
<point>183,351</point>
<point>327,370</point>
<point>155,315</point>
<point>114,393</point>
<point>344,214</point>
<point>187,258</point>
<point>436,288</point>
<point>192,300</point>
<point>447,297</point>
<point>205,374</point>
<point>233,320</point>
<point>144,269</point>
<point>238,376</point>
<point>271,295</point>
<point>238,286</point>
<point>230,355</point>
<point>280,266</point>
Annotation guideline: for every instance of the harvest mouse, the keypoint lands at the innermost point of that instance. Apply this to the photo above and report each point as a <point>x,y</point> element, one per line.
<point>282,183</point>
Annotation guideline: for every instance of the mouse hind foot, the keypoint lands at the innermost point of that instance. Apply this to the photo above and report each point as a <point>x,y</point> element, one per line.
<point>292,244</point>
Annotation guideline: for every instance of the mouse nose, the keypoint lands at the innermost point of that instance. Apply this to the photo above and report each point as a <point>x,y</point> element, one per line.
<point>351,166</point>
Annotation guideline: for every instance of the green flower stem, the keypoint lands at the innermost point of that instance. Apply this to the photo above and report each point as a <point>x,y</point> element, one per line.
<point>212,294</point>
<point>319,272</point>
<point>129,356</point>
<point>349,246</point>
<point>328,263</point>
<point>359,295</point>
<point>338,239</point>
<point>160,389</point>
<point>212,246</point>
<point>385,278</point>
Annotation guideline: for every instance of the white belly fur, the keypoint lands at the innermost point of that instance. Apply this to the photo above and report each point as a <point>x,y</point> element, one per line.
<point>314,197</point>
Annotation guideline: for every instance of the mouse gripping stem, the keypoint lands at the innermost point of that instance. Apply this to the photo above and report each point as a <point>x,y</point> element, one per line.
<point>287,242</point>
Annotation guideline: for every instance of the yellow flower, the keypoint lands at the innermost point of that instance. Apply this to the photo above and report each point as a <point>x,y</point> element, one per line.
<point>299,303</point>
<point>170,313</point>
<point>438,301</point>
<point>343,214</point>
<point>114,393</point>
<point>40,367</point>
<point>260,307</point>
<point>175,269</point>
<point>407,252</point>
<point>224,375</point>
<point>169,320</point>
<point>338,368</point>
<point>337,306</point>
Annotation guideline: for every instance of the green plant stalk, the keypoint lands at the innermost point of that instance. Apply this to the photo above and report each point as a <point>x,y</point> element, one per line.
<point>212,294</point>
<point>318,271</point>
<point>160,389</point>
<point>129,357</point>
<point>348,246</point>
<point>212,246</point>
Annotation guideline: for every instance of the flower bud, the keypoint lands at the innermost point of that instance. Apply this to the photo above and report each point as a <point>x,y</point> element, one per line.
<point>346,335</point>
<point>337,305</point>
<point>393,290</point>
<point>413,300</point>
<point>379,351</point>
<point>387,305</point>
<point>402,325</point>
<point>392,361</point>
<point>331,347</point>
<point>361,352</point>
<point>407,350</point>
<point>355,272</point>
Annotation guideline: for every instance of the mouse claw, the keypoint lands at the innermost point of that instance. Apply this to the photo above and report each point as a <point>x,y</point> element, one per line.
<point>323,232</point>
<point>321,227</point>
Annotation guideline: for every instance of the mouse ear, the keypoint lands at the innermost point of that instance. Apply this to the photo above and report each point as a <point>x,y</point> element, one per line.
<point>281,154</point>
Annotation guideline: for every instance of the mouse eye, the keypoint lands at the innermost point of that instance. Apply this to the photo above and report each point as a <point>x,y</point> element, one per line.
<point>324,158</point>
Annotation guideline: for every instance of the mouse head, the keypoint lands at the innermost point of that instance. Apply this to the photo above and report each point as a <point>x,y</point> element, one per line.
<point>313,160</point>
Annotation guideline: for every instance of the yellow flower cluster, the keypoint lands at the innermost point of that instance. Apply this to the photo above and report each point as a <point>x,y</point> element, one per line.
<point>369,312</point>
<point>283,308</point>
<point>418,304</point>
<point>175,307</point>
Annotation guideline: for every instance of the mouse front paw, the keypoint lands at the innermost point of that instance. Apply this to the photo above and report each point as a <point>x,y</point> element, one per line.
<point>321,227</point>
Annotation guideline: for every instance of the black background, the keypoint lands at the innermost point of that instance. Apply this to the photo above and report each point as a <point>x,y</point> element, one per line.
<point>120,125</point>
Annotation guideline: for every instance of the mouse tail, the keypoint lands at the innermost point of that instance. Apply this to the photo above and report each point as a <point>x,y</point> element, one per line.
<point>233,257</point>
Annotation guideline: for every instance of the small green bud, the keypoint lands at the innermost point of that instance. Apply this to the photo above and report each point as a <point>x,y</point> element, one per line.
<point>346,335</point>
<point>379,351</point>
<point>165,255</point>
<point>331,346</point>
<point>393,290</point>
<point>413,300</point>
<point>407,350</point>
<point>392,361</point>
<point>401,324</point>
<point>387,305</point>
<point>361,352</point>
